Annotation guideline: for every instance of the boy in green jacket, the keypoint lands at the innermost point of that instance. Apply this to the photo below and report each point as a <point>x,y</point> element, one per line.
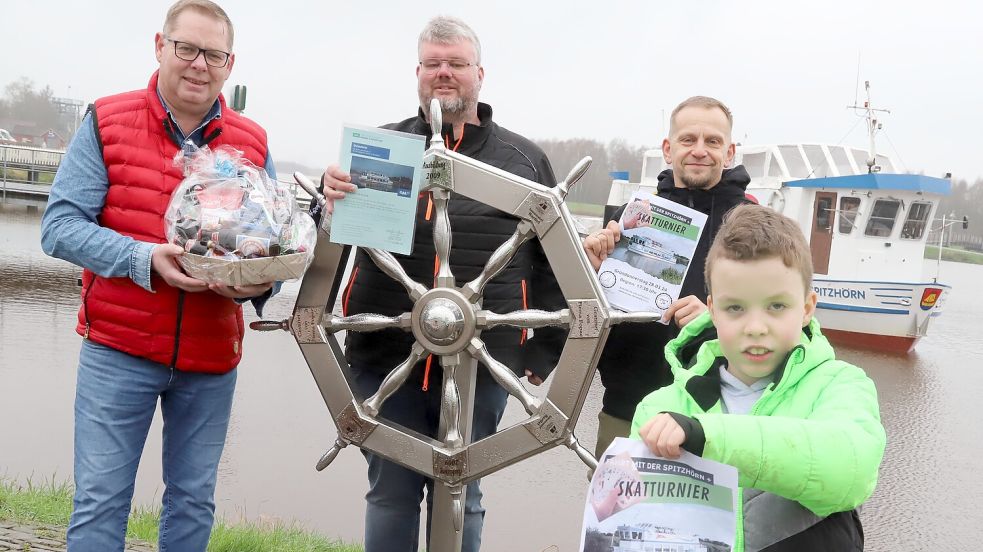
<point>758,387</point>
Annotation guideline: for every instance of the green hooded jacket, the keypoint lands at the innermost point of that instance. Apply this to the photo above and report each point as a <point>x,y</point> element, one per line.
<point>813,437</point>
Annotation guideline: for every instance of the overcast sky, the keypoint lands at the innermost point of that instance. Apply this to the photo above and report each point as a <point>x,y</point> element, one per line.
<point>600,69</point>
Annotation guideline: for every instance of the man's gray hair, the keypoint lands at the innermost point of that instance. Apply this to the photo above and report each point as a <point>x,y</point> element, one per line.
<point>445,29</point>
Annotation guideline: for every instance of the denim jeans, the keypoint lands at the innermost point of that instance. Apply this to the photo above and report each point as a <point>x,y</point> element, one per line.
<point>392,513</point>
<point>115,402</point>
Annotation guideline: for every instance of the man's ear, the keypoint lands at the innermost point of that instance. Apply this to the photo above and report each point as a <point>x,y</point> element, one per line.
<point>666,153</point>
<point>731,151</point>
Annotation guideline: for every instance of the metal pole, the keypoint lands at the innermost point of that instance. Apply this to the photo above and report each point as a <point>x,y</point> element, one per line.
<point>938,263</point>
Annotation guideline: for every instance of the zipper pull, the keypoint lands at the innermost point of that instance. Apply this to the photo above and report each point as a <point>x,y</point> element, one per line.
<point>86,334</point>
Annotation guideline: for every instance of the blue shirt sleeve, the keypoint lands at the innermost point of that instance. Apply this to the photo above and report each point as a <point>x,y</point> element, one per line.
<point>69,227</point>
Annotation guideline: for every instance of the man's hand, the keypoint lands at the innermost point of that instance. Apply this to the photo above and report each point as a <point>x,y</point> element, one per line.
<point>663,436</point>
<point>336,184</point>
<point>163,261</point>
<point>240,292</point>
<point>684,310</point>
<point>533,378</point>
<point>599,244</point>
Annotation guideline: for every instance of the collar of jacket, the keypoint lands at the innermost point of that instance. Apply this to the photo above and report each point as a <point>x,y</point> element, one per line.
<point>733,182</point>
<point>474,137</point>
<point>695,357</point>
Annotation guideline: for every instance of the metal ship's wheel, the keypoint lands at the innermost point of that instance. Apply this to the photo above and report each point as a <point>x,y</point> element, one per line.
<point>447,321</point>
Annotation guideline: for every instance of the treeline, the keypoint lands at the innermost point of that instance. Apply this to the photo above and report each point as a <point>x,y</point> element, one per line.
<point>614,156</point>
<point>965,200</point>
<point>24,103</point>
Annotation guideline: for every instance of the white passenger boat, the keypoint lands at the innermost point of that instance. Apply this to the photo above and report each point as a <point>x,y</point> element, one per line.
<point>867,226</point>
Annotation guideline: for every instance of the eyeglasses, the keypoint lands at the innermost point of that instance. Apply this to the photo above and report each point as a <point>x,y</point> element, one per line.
<point>455,65</point>
<point>190,52</point>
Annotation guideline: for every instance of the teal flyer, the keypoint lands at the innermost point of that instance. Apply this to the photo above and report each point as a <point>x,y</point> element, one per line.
<point>386,165</point>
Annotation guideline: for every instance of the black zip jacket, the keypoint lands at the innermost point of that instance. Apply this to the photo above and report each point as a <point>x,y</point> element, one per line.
<point>633,363</point>
<point>477,231</point>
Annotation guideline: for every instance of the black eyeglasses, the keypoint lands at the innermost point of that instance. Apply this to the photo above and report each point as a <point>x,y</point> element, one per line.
<point>190,52</point>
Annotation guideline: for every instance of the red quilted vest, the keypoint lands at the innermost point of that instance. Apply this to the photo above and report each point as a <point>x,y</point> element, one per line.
<point>196,332</point>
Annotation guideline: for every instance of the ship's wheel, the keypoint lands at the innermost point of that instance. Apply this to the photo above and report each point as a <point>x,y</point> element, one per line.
<point>447,321</point>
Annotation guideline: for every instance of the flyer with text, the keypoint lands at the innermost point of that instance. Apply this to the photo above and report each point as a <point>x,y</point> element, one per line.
<point>386,167</point>
<point>639,501</point>
<point>645,272</point>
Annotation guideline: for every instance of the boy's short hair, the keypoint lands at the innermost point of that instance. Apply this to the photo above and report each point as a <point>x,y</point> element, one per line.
<point>754,232</point>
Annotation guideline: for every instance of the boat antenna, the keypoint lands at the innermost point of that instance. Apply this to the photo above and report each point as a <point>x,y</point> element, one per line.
<point>873,125</point>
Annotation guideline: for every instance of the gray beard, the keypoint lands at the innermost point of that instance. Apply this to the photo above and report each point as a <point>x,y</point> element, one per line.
<point>451,110</point>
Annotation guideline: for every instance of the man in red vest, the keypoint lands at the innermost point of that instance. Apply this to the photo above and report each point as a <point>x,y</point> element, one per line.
<point>150,331</point>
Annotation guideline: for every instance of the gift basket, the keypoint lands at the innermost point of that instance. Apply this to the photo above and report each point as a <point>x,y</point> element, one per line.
<point>238,226</point>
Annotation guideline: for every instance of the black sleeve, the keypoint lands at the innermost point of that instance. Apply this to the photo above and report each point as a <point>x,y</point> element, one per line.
<point>695,438</point>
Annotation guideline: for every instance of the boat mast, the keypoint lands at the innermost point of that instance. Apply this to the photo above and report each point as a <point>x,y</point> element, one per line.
<point>873,125</point>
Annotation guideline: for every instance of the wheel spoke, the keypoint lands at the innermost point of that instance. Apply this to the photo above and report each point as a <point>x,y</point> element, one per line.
<point>504,376</point>
<point>442,238</point>
<point>365,322</point>
<point>529,318</point>
<point>388,264</point>
<point>499,260</point>
<point>450,404</point>
<point>394,380</point>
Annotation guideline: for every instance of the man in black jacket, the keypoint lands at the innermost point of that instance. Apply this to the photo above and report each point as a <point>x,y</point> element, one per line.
<point>449,70</point>
<point>633,364</point>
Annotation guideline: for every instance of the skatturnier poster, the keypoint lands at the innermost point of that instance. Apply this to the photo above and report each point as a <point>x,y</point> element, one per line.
<point>639,501</point>
<point>645,271</point>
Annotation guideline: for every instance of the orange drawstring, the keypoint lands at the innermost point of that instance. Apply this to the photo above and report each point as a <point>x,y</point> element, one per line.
<point>525,305</point>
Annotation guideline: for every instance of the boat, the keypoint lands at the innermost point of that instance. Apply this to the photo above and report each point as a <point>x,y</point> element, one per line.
<point>646,246</point>
<point>867,225</point>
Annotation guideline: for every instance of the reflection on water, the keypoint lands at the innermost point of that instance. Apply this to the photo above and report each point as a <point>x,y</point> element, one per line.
<point>927,499</point>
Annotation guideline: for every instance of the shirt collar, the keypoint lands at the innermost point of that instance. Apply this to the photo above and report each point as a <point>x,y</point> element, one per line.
<point>196,135</point>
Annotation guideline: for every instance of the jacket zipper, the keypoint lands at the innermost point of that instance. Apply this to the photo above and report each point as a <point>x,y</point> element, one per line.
<point>85,306</point>
<point>177,330</point>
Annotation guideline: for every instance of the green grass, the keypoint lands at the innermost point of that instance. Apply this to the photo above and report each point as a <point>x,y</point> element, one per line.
<point>953,254</point>
<point>50,503</point>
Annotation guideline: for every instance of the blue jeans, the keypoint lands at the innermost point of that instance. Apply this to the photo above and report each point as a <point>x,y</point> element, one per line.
<point>392,513</point>
<point>114,404</point>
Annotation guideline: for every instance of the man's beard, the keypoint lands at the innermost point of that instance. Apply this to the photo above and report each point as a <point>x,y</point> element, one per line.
<point>451,109</point>
<point>704,183</point>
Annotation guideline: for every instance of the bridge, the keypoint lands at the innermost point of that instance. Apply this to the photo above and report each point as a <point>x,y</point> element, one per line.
<point>26,173</point>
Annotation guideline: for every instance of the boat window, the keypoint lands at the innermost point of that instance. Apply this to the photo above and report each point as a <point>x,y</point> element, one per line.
<point>849,206</point>
<point>754,163</point>
<point>816,157</point>
<point>882,217</point>
<point>841,160</point>
<point>774,169</point>
<point>793,161</point>
<point>824,215</point>
<point>914,225</point>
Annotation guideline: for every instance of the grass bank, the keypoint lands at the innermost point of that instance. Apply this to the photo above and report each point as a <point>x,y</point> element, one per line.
<point>953,254</point>
<point>50,503</point>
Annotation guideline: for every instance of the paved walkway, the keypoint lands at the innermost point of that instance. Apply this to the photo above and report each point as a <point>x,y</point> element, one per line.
<point>46,538</point>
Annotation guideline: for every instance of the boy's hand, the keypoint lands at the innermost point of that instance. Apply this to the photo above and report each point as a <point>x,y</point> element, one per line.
<point>663,436</point>
<point>600,243</point>
<point>684,310</point>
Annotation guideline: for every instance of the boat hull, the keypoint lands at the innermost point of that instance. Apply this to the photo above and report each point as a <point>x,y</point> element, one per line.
<point>884,316</point>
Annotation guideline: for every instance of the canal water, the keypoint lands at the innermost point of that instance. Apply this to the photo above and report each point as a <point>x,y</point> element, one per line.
<point>928,498</point>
